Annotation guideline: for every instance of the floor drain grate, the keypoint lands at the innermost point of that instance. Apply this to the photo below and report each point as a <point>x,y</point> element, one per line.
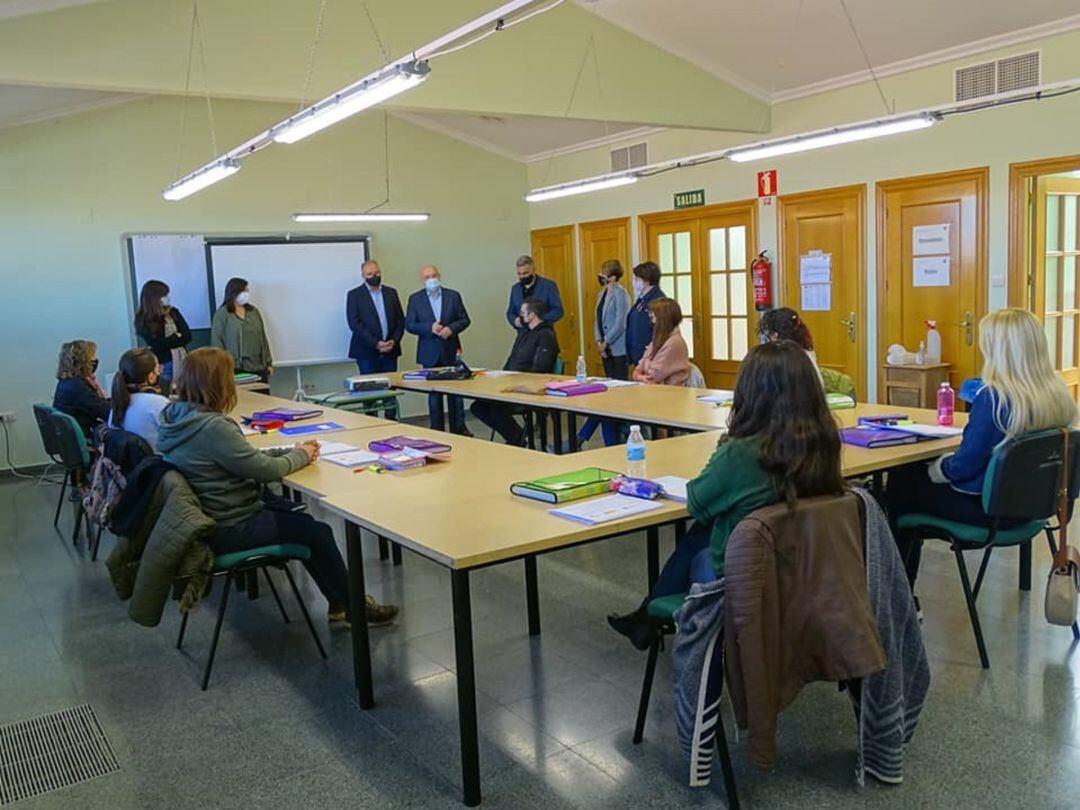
<point>52,751</point>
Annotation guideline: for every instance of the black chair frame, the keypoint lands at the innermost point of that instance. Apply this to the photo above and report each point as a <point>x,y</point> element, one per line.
<point>239,572</point>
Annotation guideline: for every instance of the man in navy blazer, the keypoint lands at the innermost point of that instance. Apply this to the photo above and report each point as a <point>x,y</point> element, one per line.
<point>530,285</point>
<point>377,323</point>
<point>437,316</point>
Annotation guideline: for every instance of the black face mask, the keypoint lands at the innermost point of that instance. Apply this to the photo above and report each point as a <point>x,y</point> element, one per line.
<point>94,366</point>
<point>528,281</point>
<point>375,280</point>
<point>602,280</point>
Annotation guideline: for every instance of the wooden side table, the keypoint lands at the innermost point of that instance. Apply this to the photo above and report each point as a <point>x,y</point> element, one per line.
<point>914,386</point>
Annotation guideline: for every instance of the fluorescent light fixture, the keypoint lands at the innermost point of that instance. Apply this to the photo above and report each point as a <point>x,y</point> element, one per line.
<point>832,137</point>
<point>373,217</point>
<point>350,101</point>
<point>197,181</point>
<point>579,187</point>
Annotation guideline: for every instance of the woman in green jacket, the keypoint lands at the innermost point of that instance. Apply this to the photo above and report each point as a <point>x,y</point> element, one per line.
<point>238,328</point>
<point>781,444</point>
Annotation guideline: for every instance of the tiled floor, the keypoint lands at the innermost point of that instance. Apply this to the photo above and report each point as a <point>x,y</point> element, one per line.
<point>279,728</point>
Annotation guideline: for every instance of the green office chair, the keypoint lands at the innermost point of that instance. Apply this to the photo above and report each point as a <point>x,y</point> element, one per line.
<point>237,565</point>
<point>51,444</point>
<point>74,453</point>
<point>1021,488</point>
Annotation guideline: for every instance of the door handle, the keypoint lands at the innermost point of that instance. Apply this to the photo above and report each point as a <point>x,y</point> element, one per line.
<point>969,328</point>
<point>852,326</point>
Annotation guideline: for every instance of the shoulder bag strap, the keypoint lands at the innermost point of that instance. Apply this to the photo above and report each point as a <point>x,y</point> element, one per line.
<point>1061,558</point>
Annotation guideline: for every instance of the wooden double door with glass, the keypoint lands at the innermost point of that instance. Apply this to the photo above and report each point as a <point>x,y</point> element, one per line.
<point>704,257</point>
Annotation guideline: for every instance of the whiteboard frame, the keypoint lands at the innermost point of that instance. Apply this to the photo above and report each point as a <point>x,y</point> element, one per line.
<point>281,239</point>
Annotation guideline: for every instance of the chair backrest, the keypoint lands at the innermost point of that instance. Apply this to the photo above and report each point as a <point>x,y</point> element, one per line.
<point>43,416</point>
<point>72,448</point>
<point>560,366</point>
<point>696,378</point>
<point>1022,479</point>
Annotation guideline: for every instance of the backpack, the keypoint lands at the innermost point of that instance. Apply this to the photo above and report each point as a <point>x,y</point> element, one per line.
<point>107,484</point>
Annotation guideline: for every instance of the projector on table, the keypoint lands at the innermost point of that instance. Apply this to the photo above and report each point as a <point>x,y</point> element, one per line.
<point>357,384</point>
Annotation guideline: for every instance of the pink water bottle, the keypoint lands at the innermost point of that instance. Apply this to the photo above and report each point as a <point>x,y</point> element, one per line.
<point>946,404</point>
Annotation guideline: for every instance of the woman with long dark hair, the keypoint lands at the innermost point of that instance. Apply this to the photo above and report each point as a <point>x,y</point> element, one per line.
<point>238,328</point>
<point>781,444</point>
<point>666,360</point>
<point>163,327</point>
<point>136,399</point>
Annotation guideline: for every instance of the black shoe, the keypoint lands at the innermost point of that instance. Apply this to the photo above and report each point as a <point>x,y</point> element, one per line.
<point>636,627</point>
<point>463,431</point>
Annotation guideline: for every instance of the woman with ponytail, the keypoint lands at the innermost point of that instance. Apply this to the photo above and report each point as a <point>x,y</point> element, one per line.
<point>136,401</point>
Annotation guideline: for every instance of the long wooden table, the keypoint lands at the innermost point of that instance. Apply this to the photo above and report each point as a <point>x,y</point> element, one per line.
<point>248,402</point>
<point>469,520</point>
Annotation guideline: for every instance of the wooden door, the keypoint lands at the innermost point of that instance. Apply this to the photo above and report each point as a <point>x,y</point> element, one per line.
<point>599,242</point>
<point>1055,253</point>
<point>943,277</point>
<point>553,252</point>
<point>828,223</point>
<point>704,256</point>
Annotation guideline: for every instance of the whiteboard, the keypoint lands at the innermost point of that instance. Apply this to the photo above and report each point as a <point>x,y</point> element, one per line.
<point>300,289</point>
<point>180,261</point>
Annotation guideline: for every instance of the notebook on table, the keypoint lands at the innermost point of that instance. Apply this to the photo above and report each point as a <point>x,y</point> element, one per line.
<point>872,437</point>
<point>839,402</point>
<point>674,487</point>
<point>572,388</point>
<point>397,444</point>
<point>287,414</point>
<point>718,397</point>
<point>304,430</point>
<point>564,487</point>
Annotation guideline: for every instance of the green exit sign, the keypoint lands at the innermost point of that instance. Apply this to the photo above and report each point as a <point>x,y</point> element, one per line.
<point>689,199</point>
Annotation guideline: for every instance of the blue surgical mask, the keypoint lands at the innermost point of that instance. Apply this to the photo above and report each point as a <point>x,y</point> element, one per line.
<point>432,285</point>
<point>639,287</point>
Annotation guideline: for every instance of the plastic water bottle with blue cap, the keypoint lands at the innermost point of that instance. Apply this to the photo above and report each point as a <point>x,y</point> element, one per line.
<point>635,453</point>
<point>582,374</point>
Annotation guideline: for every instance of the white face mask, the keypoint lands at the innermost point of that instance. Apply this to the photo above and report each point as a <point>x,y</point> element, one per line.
<point>639,286</point>
<point>243,298</point>
<point>164,301</point>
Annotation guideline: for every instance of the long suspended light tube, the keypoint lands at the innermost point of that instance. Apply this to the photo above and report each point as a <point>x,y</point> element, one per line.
<point>350,101</point>
<point>198,180</point>
<point>390,80</point>
<point>830,137</point>
<point>580,187</point>
<point>372,217</point>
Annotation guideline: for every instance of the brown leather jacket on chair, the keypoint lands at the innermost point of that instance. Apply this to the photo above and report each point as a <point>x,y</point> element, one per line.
<point>796,610</point>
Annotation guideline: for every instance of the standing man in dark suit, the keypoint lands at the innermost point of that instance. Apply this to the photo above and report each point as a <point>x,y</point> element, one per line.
<point>436,315</point>
<point>377,323</point>
<point>530,285</point>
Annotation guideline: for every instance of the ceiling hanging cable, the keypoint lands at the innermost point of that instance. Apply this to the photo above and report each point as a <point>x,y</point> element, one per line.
<point>187,89</point>
<point>375,31</point>
<point>866,58</point>
<point>315,40</point>
<point>500,25</point>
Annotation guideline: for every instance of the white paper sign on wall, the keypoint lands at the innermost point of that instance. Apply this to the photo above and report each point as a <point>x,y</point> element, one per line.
<point>930,240</point>
<point>930,271</point>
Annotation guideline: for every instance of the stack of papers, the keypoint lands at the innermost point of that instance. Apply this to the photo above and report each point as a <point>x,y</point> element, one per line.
<point>605,509</point>
<point>719,397</point>
<point>612,383</point>
<point>925,431</point>
<point>674,487</point>
<point>347,455</point>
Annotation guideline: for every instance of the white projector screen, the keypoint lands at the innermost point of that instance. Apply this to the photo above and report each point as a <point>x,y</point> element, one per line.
<point>300,288</point>
<point>179,261</point>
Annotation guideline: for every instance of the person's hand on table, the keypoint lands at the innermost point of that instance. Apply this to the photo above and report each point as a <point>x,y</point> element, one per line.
<point>311,447</point>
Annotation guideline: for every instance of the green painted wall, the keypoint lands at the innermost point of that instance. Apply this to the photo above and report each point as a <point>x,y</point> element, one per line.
<point>993,138</point>
<point>70,188</point>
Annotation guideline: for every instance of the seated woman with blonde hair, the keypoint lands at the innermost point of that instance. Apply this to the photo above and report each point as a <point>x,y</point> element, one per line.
<point>1020,394</point>
<point>666,360</point>
<point>78,393</point>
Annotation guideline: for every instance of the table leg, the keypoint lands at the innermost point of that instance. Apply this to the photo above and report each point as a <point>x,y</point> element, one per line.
<point>571,431</point>
<point>1025,566</point>
<point>556,431</point>
<point>652,551</point>
<point>532,595</point>
<point>358,612</point>
<point>395,553</point>
<point>877,488</point>
<point>466,688</point>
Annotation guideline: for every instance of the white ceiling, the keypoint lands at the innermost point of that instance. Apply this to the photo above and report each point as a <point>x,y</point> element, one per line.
<point>521,137</point>
<point>20,8</point>
<point>774,47</point>
<point>23,105</point>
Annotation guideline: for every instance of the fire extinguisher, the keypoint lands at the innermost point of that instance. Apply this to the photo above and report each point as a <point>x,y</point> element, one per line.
<point>761,272</point>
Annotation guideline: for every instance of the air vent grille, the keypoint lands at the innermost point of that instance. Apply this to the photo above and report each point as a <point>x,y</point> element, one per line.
<point>1012,73</point>
<point>1018,72</point>
<point>629,157</point>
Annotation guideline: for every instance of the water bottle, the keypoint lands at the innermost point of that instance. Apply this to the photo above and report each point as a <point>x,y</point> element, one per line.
<point>582,373</point>
<point>933,344</point>
<point>946,404</point>
<point>635,453</point>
